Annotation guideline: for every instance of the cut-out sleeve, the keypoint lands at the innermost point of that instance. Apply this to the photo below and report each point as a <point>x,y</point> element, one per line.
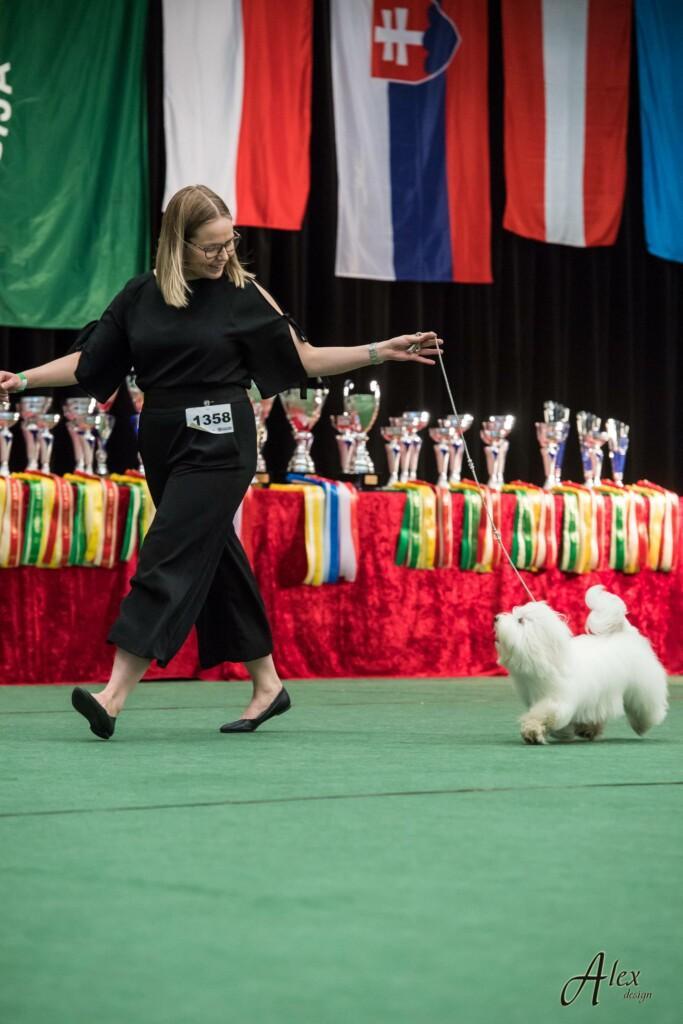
<point>270,354</point>
<point>105,352</point>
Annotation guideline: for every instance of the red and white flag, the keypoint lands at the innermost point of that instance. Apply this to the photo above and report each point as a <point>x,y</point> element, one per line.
<point>566,111</point>
<point>237,104</point>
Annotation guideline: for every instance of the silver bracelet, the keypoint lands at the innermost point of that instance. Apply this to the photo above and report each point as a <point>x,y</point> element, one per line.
<point>374,354</point>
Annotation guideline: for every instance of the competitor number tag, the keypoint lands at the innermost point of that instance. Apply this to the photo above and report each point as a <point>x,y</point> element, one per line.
<point>216,419</point>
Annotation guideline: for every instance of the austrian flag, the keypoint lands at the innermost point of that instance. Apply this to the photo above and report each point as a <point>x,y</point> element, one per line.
<point>566,110</point>
<point>237,104</point>
<point>411,127</point>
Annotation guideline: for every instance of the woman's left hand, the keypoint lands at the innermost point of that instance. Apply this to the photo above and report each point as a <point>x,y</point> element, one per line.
<point>411,348</point>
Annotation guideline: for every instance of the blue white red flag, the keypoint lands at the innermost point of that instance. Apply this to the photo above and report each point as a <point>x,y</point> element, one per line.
<point>659,31</point>
<point>411,127</point>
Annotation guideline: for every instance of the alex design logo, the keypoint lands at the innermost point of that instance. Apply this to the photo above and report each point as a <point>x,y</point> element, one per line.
<point>628,981</point>
<point>412,40</point>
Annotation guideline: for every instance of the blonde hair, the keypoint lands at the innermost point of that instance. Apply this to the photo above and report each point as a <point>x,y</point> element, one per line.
<point>186,212</point>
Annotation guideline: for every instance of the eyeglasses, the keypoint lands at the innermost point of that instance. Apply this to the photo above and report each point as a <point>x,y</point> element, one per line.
<point>212,251</point>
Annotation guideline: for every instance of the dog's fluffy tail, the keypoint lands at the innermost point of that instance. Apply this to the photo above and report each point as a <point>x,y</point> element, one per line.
<point>607,612</point>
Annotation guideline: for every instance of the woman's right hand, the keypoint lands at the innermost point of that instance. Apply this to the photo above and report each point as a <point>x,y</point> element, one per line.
<point>10,382</point>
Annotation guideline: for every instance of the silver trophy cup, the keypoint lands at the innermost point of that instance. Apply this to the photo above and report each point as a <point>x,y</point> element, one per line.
<point>104,430</point>
<point>46,423</point>
<point>8,419</point>
<point>459,424</point>
<point>494,433</point>
<point>412,421</point>
<point>74,409</point>
<point>552,436</point>
<point>30,408</point>
<point>591,440</point>
<point>392,435</point>
<point>362,409</point>
<point>345,425</point>
<point>137,397</point>
<point>303,414</point>
<point>88,427</point>
<point>442,437</point>
<point>261,407</point>
<point>617,442</point>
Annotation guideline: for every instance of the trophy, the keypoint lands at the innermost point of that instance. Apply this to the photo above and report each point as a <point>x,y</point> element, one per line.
<point>7,420</point>
<point>137,397</point>
<point>494,433</point>
<point>392,437</point>
<point>345,424</point>
<point>591,440</point>
<point>362,409</point>
<point>552,437</point>
<point>261,407</point>
<point>412,422</point>
<point>104,430</point>
<point>303,414</point>
<point>86,425</point>
<point>458,424</point>
<point>74,410</point>
<point>46,423</point>
<point>617,441</point>
<point>30,408</point>
<point>442,437</point>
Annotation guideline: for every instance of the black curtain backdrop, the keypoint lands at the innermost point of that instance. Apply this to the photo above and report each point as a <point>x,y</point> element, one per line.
<point>596,329</point>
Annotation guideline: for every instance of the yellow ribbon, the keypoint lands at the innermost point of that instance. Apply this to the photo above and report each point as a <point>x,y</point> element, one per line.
<point>314,526</point>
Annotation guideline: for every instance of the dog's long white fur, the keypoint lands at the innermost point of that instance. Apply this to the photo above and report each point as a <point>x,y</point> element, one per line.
<point>572,685</point>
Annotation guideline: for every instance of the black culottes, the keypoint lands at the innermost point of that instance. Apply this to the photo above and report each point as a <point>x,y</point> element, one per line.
<point>192,569</point>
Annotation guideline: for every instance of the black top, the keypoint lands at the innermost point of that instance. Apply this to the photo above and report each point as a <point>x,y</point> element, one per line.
<point>225,335</point>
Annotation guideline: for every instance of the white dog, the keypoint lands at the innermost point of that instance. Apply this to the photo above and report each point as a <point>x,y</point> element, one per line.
<point>572,685</point>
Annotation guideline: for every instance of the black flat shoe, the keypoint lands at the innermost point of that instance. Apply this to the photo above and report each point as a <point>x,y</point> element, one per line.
<point>101,723</point>
<point>281,704</point>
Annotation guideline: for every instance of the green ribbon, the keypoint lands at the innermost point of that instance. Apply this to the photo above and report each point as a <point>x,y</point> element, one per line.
<point>78,536</point>
<point>570,533</point>
<point>470,529</point>
<point>415,546</point>
<point>34,523</point>
<point>404,535</point>
<point>618,538</point>
<point>130,531</point>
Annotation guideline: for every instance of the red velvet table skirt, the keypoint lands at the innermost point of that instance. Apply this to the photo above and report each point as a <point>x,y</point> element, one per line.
<point>390,622</point>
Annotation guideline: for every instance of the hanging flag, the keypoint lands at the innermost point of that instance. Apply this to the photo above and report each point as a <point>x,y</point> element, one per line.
<point>73,158</point>
<point>237,104</point>
<point>659,33</point>
<point>411,126</point>
<point>566,70</point>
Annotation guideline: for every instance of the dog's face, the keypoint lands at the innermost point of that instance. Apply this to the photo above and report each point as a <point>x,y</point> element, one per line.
<point>532,638</point>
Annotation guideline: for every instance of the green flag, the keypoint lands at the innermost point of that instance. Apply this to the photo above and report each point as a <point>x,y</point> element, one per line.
<point>74,224</point>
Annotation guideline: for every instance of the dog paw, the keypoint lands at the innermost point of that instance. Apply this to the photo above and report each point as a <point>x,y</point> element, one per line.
<point>533,732</point>
<point>589,730</point>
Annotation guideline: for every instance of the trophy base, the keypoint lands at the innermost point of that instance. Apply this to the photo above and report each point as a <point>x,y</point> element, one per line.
<point>362,481</point>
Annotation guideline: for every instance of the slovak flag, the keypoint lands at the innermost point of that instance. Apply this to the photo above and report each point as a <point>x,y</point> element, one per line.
<point>411,128</point>
<point>566,111</point>
<point>237,104</point>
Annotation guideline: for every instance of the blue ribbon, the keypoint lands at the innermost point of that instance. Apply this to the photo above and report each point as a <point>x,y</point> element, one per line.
<point>331,541</point>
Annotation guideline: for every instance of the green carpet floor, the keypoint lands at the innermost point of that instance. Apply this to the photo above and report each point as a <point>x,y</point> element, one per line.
<point>389,851</point>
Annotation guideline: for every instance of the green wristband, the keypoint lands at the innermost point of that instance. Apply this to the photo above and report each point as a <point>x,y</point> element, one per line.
<point>22,377</point>
<point>375,359</point>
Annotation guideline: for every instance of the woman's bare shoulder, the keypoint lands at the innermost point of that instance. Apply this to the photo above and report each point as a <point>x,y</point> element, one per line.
<point>266,294</point>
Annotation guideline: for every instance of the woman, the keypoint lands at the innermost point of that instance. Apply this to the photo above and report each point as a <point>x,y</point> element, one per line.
<point>198,330</point>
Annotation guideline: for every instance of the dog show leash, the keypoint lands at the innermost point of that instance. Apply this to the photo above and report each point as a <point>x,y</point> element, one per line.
<point>496,531</point>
